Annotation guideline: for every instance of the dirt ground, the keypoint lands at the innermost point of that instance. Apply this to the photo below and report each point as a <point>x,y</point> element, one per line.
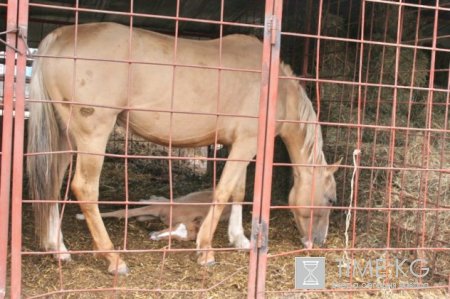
<point>147,270</point>
<point>177,275</point>
<point>155,274</point>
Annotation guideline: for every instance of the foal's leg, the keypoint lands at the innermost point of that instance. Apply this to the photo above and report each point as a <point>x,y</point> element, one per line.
<point>85,186</point>
<point>243,149</point>
<point>179,231</point>
<point>235,228</point>
<point>152,211</point>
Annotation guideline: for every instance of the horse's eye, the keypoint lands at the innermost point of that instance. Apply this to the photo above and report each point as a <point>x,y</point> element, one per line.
<point>331,201</point>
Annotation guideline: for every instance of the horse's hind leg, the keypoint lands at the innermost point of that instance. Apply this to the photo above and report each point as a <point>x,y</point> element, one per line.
<point>235,228</point>
<point>91,137</point>
<point>54,236</point>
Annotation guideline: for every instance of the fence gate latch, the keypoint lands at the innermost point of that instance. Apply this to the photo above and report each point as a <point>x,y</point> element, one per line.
<point>261,236</point>
<point>273,29</point>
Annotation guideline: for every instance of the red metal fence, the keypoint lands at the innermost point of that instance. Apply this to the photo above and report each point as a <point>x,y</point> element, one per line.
<point>377,73</point>
<point>8,90</point>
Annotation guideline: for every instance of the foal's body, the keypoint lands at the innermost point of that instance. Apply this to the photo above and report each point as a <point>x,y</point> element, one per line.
<point>187,214</point>
<point>99,88</point>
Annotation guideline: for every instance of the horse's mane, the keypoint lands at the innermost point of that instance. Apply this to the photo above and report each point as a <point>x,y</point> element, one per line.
<point>313,142</point>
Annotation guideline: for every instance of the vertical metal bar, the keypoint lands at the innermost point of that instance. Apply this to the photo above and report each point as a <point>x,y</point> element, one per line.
<point>351,210</point>
<point>264,159</point>
<point>410,104</point>
<point>5,182</point>
<point>19,129</point>
<point>427,134</point>
<point>257,193</point>
<point>309,9</point>
<point>269,144</point>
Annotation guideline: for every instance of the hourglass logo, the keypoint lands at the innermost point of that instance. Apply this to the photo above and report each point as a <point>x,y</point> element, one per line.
<point>309,272</point>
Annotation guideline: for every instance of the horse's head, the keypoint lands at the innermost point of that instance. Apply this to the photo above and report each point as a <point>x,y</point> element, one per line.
<point>314,187</point>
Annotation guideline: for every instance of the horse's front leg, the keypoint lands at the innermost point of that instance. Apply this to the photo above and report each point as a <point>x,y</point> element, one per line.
<point>234,171</point>
<point>235,228</point>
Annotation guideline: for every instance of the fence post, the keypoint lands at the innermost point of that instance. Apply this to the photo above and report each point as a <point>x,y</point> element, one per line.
<point>7,133</point>
<point>266,140</point>
<point>19,132</point>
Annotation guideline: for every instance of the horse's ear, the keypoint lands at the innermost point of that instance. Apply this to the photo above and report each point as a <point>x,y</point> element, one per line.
<point>334,167</point>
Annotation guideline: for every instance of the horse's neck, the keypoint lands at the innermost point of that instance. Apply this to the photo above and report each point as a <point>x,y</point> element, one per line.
<point>303,140</point>
<point>295,144</point>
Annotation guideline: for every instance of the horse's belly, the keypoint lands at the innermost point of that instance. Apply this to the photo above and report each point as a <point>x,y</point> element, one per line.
<point>182,130</point>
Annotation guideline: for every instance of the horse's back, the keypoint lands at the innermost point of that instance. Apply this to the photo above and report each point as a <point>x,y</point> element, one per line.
<point>76,64</point>
<point>196,88</point>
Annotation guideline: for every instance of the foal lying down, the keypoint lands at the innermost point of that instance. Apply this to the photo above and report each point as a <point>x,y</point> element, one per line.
<point>186,219</point>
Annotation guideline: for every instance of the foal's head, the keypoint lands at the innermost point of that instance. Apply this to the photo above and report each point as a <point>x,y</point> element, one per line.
<point>313,187</point>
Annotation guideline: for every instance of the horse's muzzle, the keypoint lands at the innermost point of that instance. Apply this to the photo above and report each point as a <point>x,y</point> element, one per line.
<point>308,243</point>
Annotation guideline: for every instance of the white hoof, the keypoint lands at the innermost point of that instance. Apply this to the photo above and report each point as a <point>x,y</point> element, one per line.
<point>64,257</point>
<point>154,236</point>
<point>241,242</point>
<point>307,243</point>
<point>80,217</point>
<point>63,254</point>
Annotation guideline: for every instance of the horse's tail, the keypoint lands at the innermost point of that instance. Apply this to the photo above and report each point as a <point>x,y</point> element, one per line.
<point>45,171</point>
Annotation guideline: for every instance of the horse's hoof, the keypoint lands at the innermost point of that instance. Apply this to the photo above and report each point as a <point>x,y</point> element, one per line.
<point>242,243</point>
<point>307,243</point>
<point>64,257</point>
<point>120,269</point>
<point>80,217</point>
<point>206,259</point>
<point>154,236</point>
<point>210,264</point>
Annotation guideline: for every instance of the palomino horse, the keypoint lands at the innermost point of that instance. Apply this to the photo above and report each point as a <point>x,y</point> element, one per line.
<point>95,76</point>
<point>186,218</point>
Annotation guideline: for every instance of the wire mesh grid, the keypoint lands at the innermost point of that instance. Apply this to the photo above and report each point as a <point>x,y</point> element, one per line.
<point>383,105</point>
<point>379,89</point>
